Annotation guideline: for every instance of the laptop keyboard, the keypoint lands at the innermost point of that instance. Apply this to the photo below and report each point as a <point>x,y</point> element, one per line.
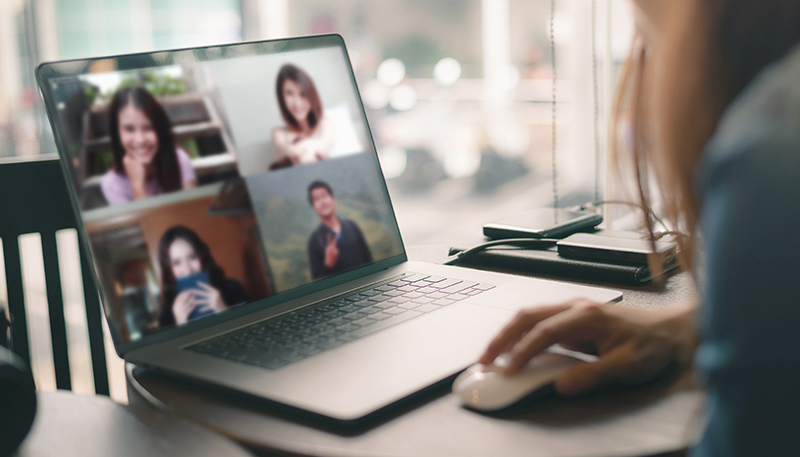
<point>294,336</point>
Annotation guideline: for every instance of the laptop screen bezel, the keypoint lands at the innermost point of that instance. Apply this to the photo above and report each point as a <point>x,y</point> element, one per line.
<point>48,71</point>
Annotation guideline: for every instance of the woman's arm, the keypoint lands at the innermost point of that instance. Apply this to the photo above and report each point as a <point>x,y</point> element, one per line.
<point>306,150</point>
<point>286,148</point>
<point>321,144</point>
<point>188,176</point>
<point>633,345</point>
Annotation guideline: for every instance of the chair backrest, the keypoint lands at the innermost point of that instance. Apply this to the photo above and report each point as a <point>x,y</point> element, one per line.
<point>34,199</point>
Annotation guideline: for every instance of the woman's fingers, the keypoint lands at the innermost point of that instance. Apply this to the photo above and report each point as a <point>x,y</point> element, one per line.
<point>573,324</point>
<point>514,330</point>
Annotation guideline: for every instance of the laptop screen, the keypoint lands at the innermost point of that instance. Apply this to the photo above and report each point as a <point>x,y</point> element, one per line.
<point>210,179</point>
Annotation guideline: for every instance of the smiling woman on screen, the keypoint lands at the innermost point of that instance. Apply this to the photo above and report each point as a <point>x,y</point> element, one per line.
<point>146,160</point>
<point>308,135</point>
<point>712,92</point>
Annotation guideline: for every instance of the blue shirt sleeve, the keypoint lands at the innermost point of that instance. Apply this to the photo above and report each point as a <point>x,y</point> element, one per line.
<point>749,321</point>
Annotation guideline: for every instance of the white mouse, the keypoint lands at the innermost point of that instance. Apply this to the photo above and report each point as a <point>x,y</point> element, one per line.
<point>486,388</point>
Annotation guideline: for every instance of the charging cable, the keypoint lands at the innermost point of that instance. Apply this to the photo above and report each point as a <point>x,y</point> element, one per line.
<point>530,243</point>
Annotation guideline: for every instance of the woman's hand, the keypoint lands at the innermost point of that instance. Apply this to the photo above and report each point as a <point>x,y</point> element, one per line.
<point>137,175</point>
<point>183,306</point>
<point>633,345</point>
<point>210,298</point>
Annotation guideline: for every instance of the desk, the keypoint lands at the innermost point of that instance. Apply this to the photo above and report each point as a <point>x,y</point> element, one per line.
<point>658,418</point>
<point>69,424</point>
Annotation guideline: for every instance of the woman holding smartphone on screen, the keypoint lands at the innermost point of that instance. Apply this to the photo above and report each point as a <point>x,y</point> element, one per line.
<point>711,89</point>
<point>193,285</point>
<point>308,135</point>
<point>146,160</point>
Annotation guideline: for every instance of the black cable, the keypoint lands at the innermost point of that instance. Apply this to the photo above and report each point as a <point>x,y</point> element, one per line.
<point>537,243</point>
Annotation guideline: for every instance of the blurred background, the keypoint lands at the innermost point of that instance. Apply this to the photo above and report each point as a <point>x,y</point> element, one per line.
<point>458,93</point>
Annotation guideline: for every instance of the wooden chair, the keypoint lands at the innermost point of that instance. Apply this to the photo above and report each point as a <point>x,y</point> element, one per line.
<point>34,199</point>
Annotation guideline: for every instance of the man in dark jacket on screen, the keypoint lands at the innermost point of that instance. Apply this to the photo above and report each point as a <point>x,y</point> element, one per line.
<point>337,245</point>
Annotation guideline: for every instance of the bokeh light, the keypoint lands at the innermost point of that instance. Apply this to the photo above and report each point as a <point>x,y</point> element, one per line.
<point>391,72</point>
<point>446,72</point>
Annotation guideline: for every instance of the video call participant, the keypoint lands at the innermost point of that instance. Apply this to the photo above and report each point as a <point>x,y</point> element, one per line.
<point>308,135</point>
<point>181,254</point>
<point>337,245</point>
<point>146,160</point>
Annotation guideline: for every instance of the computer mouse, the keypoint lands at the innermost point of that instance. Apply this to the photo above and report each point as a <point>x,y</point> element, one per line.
<point>485,388</point>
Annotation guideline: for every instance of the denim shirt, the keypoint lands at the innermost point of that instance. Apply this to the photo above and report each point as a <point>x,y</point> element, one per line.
<point>748,183</point>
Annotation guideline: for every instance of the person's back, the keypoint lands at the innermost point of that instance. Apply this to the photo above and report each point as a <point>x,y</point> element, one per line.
<point>749,183</point>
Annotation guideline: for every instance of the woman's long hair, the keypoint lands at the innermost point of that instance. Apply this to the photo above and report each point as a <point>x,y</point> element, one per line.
<point>168,173</point>
<point>169,289</point>
<point>709,52</point>
<point>294,73</point>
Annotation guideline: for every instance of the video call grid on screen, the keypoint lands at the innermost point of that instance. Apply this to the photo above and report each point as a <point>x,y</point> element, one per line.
<point>220,177</point>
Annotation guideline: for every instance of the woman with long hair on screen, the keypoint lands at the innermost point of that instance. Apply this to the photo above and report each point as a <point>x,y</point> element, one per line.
<point>711,90</point>
<point>308,135</point>
<point>193,285</point>
<point>146,159</point>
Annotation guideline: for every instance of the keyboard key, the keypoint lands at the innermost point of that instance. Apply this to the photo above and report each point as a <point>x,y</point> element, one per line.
<point>395,311</point>
<point>383,288</point>
<point>348,327</point>
<point>384,305</point>
<point>422,300</point>
<point>412,295</point>
<point>435,278</point>
<point>363,322</point>
<point>483,286</point>
<point>414,277</point>
<point>457,297</point>
<point>427,290</point>
<point>427,308</point>
<point>459,287</point>
<point>393,293</point>
<point>399,300</point>
<point>443,302</point>
<point>436,295</point>
<point>397,283</point>
<point>409,305</point>
<point>370,310</point>
<point>407,288</point>
<point>381,316</point>
<point>445,284</point>
<point>472,291</point>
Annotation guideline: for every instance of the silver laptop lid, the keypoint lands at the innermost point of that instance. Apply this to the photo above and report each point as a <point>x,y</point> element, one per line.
<point>218,181</point>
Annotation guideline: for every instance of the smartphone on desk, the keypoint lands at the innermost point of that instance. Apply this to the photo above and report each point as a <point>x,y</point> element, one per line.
<point>542,223</point>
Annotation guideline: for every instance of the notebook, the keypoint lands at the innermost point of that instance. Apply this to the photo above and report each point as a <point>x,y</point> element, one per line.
<point>242,236</point>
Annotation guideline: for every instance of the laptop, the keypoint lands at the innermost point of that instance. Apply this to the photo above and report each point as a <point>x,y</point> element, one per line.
<point>242,236</point>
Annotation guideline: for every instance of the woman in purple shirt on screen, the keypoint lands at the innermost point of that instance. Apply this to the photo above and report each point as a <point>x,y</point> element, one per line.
<point>146,160</point>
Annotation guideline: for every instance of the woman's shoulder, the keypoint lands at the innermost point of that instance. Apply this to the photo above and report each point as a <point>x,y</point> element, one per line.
<point>768,108</point>
<point>116,187</point>
<point>279,132</point>
<point>760,130</point>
